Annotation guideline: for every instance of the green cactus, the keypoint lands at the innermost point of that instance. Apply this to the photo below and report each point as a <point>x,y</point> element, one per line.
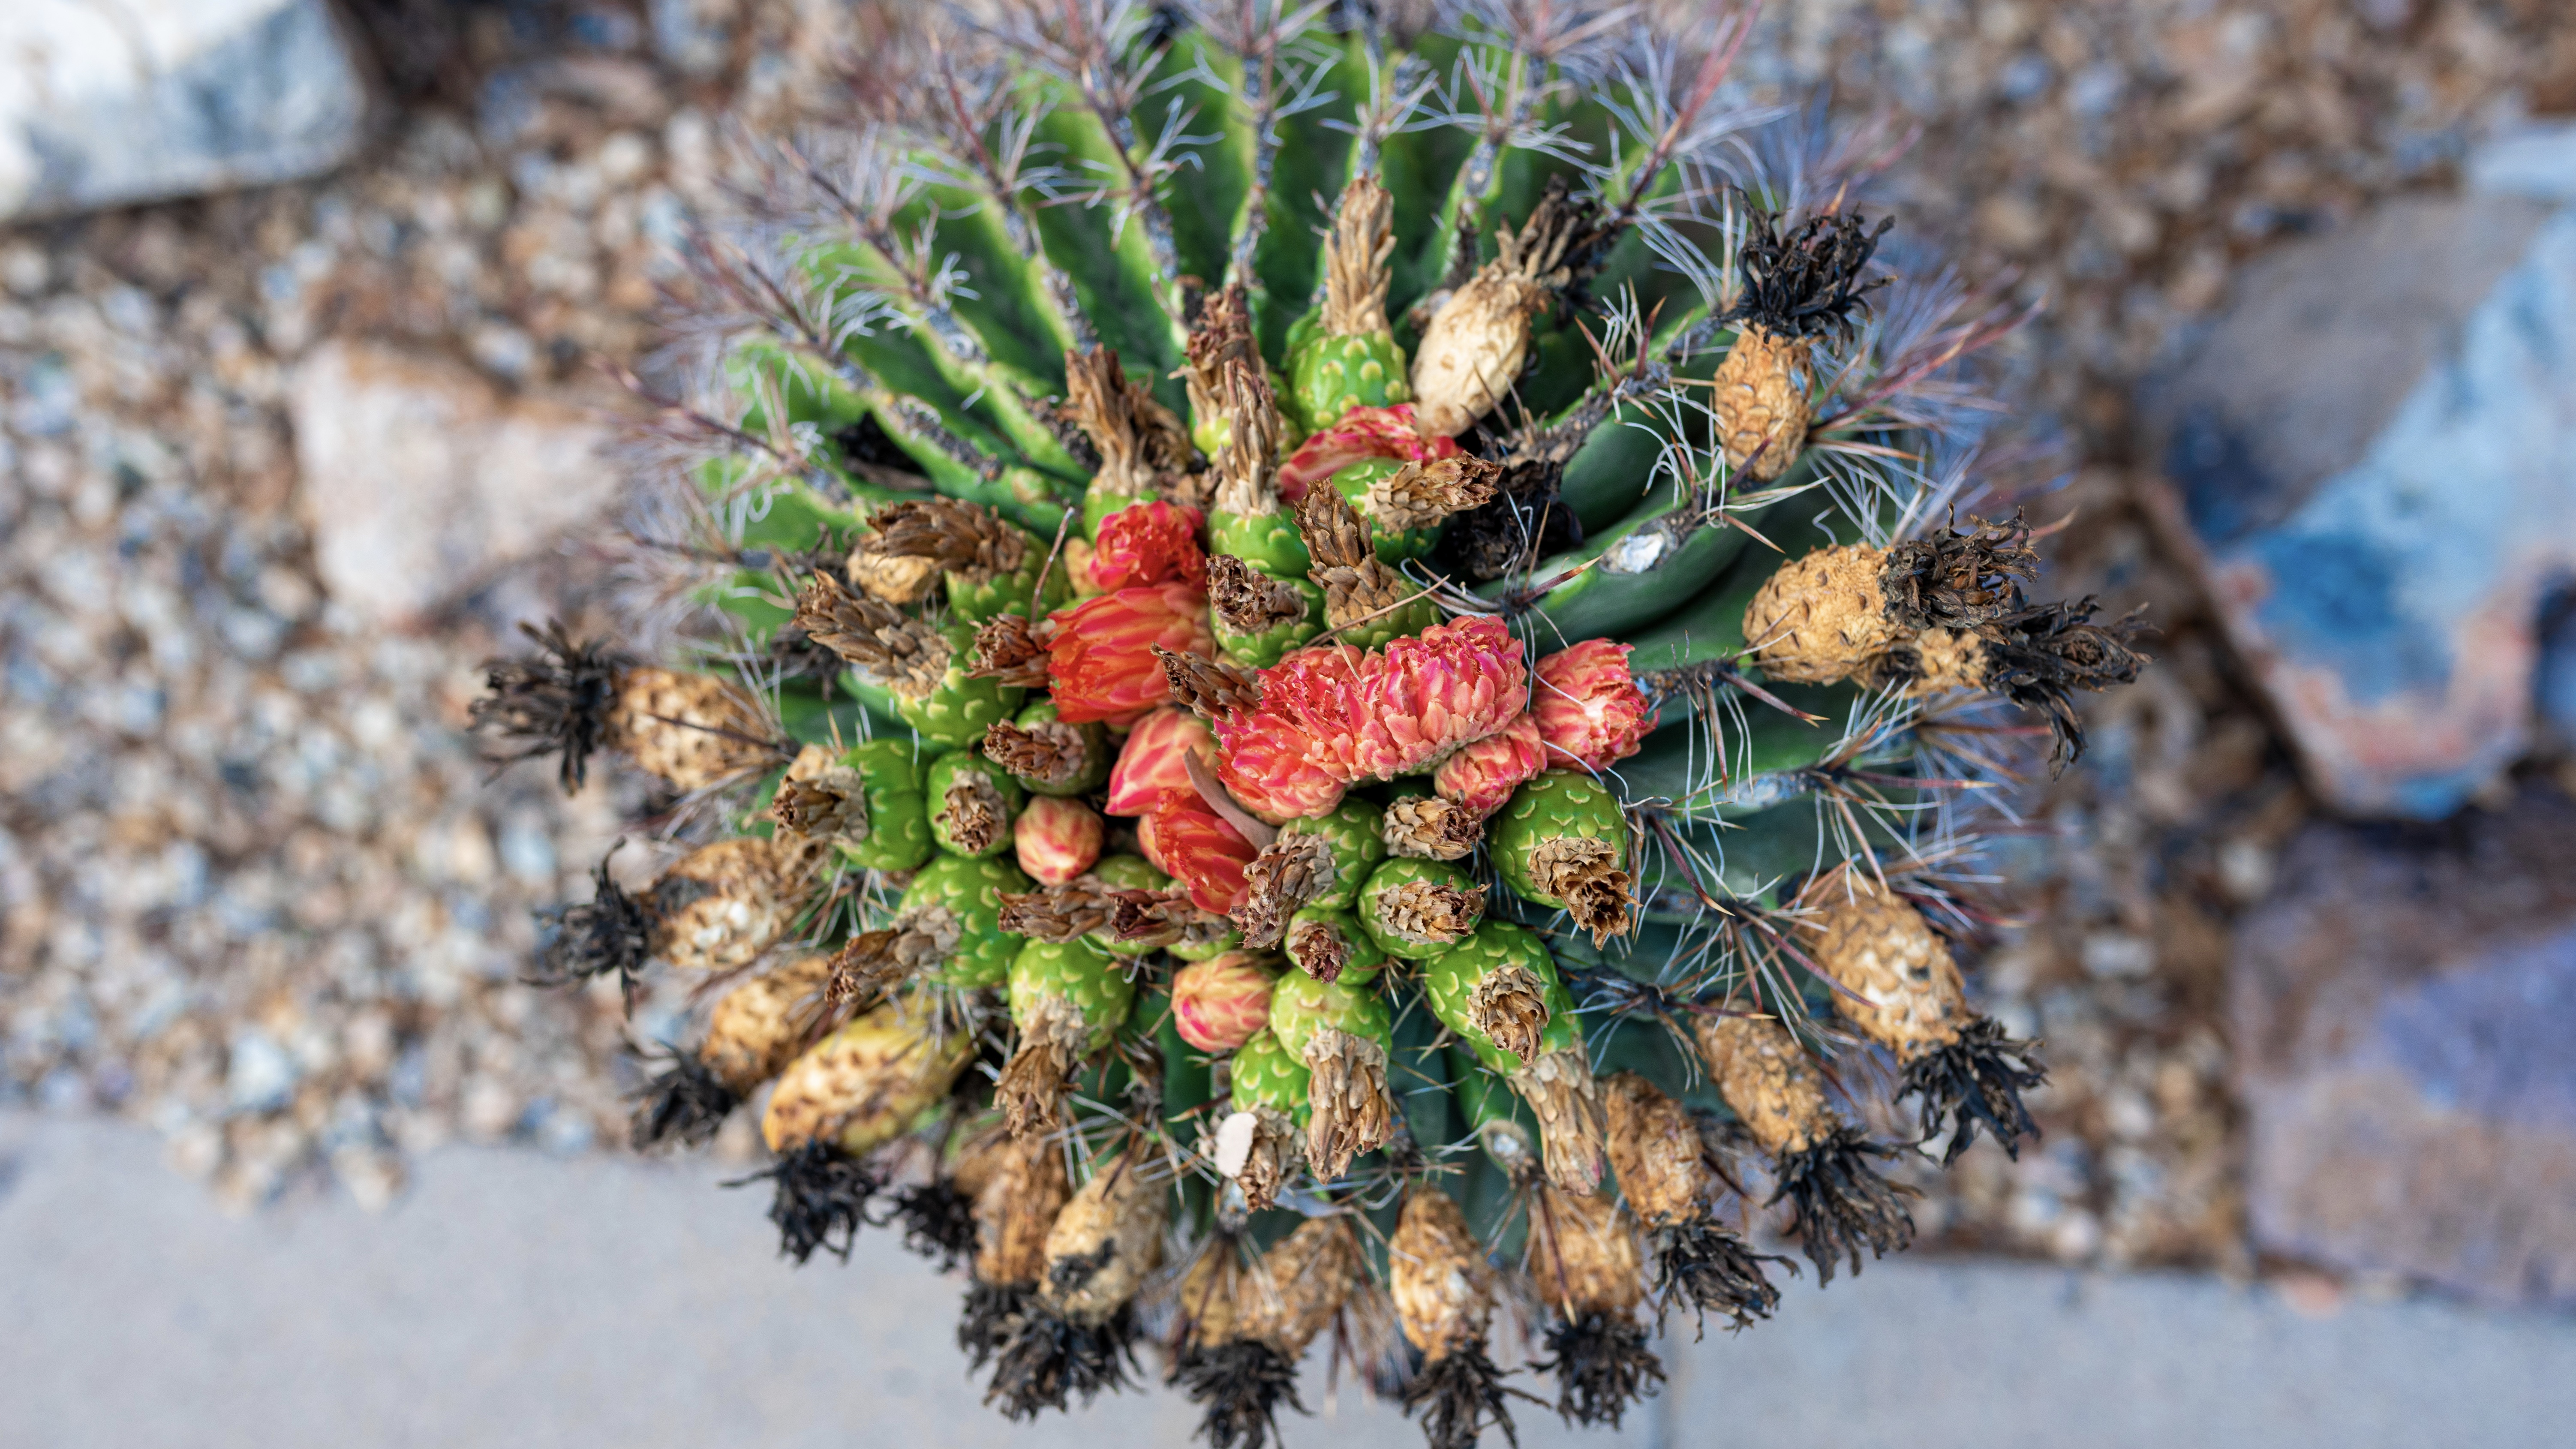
<point>1262,650</point>
<point>958,709</point>
<point>1265,1073</point>
<point>1333,375</point>
<point>1385,925</point>
<point>899,836</point>
<point>961,771</point>
<point>966,889</point>
<point>1078,972</point>
<point>1351,831</point>
<point>1557,805</point>
<point>1449,981</point>
<point>1097,756</point>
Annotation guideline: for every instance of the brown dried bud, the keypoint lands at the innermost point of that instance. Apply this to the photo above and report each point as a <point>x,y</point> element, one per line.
<point>1267,1138</point>
<point>1357,587</point>
<point>1212,688</point>
<point>1346,1088</point>
<point>1060,912</point>
<point>873,963</point>
<point>1011,649</point>
<point>1223,335</point>
<point>1583,872</point>
<point>1424,495</point>
<point>1357,259</point>
<point>1319,949</point>
<point>1426,827</point>
<point>962,538</point>
<point>1290,871</point>
<point>896,650</point>
<point>1032,1085</point>
<point>1509,1004</point>
<point>1048,752</point>
<point>724,904</point>
<point>1139,440</point>
<point>821,799</point>
<point>1247,467</point>
<point>1567,1101</point>
<point>1759,403</point>
<point>972,811</point>
<point>1105,1242</point>
<point>694,730</point>
<point>1428,912</point>
<point>1248,601</point>
<point>1437,1274</point>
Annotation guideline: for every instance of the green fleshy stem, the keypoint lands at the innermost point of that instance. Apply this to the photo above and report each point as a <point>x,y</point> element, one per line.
<point>1267,541</point>
<point>899,837</point>
<point>1334,374</point>
<point>1300,1006</point>
<point>1266,1074</point>
<point>1077,971</point>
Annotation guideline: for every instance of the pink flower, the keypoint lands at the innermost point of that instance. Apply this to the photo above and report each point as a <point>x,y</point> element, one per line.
<point>1193,845</point>
<point>1153,759</point>
<point>1274,768</point>
<point>1589,709</point>
<point>1056,839</point>
<point>1388,432</point>
<point>1483,775</point>
<point>1150,543</point>
<point>1218,1004</point>
<point>1101,665</point>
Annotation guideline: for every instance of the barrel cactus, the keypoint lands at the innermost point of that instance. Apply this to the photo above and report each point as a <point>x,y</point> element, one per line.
<point>1463,559</point>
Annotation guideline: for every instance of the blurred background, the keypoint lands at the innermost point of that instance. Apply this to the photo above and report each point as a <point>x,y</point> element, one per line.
<point>302,310</point>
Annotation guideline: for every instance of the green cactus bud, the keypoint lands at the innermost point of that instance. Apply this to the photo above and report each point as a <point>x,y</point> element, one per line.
<point>1266,1074</point>
<point>1393,545</point>
<point>1351,831</point>
<point>1300,1005</point>
<point>1073,973</point>
<point>1263,647</point>
<point>1333,375</point>
<point>966,888</point>
<point>899,835</point>
<point>1563,842</point>
<point>1049,757</point>
<point>1500,992</point>
<point>1267,541</point>
<point>1207,950</point>
<point>1418,909</point>
<point>1133,873</point>
<point>972,804</point>
<point>959,709</point>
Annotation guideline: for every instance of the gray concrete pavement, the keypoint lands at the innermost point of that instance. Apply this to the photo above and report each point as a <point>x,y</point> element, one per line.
<point>513,1300</point>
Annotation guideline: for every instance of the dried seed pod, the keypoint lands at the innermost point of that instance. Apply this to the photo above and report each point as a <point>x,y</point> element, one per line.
<point>1902,989</point>
<point>1584,1260</point>
<point>694,730</point>
<point>1799,285</point>
<point>890,647</point>
<point>1839,1202</point>
<point>1023,1187</point>
<point>848,1095</point>
<point>1352,360</point>
<point>724,904</point>
<point>1443,1292</point>
<point>752,1034</point>
<point>1140,441</point>
<point>1663,1171</point>
<point>1472,352</point>
<point>1366,602</point>
<point>1077,1335</point>
<point>1288,1295</point>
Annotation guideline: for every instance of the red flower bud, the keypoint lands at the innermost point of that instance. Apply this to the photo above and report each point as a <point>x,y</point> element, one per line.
<point>1193,845</point>
<point>1057,839</point>
<point>1153,759</point>
<point>1483,776</point>
<point>1150,543</point>
<point>1101,664</point>
<point>1589,709</point>
<point>1218,1004</point>
<point>1388,432</point>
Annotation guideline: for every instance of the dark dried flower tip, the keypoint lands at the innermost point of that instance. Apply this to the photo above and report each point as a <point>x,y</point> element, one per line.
<point>1956,580</point>
<point>1840,1204</point>
<point>1159,917</point>
<point>1212,688</point>
<point>1248,601</point>
<point>1319,950</point>
<point>899,651</point>
<point>938,1222</point>
<point>1526,520</point>
<point>1977,1079</point>
<point>1059,912</point>
<point>612,932</point>
<point>685,1104</point>
<point>821,1199</point>
<point>1426,827</point>
<point>1806,281</point>
<point>1009,648</point>
<point>974,811</point>
<point>1048,1359</point>
<point>1289,872</point>
<point>1424,495</point>
<point>992,1315</point>
<point>1708,1267</point>
<point>1602,1366</point>
<point>556,703</point>
<point>2039,657</point>
<point>1458,1395</point>
<point>1047,752</point>
<point>1242,1384</point>
<point>963,538</point>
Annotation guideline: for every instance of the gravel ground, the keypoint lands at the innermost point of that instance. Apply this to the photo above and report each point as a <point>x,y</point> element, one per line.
<point>259,894</point>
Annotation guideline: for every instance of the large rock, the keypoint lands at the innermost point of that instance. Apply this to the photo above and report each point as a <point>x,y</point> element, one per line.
<point>2404,1013</point>
<point>104,102</point>
<point>421,479</point>
<point>2374,454</point>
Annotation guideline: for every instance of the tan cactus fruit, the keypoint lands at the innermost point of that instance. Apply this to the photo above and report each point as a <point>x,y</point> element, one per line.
<point>1765,1078</point>
<point>1901,986</point>
<point>1472,352</point>
<point>725,904</point>
<point>693,730</point>
<point>1583,1254</point>
<point>1560,1090</point>
<point>1437,1273</point>
<point>1655,1152</point>
<point>1017,1208</point>
<point>755,1029</point>
<point>860,1087</point>
<point>1823,617</point>
<point>1760,405</point>
<point>1291,1292</point>
<point>1105,1242</point>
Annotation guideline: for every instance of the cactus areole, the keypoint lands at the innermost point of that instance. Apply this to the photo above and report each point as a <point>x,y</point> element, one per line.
<point>1302,623</point>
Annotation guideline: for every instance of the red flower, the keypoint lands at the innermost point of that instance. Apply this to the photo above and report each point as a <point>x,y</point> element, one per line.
<point>1387,432</point>
<point>1193,845</point>
<point>1483,776</point>
<point>1220,1004</point>
<point>1101,664</point>
<point>1153,759</point>
<point>1150,543</point>
<point>1056,840</point>
<point>1590,711</point>
<point>1274,768</point>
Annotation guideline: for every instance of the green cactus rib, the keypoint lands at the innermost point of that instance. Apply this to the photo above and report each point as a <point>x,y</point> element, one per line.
<point>967,888</point>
